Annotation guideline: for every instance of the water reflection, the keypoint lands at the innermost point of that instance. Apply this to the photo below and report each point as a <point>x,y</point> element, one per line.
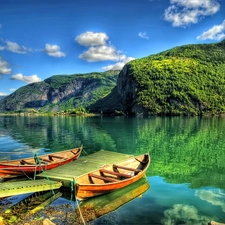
<point>214,196</point>
<point>187,172</point>
<point>184,214</point>
<point>183,150</point>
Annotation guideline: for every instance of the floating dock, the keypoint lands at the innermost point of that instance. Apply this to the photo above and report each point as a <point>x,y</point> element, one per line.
<point>68,172</point>
<point>62,175</point>
<point>28,186</point>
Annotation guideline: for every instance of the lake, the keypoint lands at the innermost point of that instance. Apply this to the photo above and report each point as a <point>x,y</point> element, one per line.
<point>187,171</point>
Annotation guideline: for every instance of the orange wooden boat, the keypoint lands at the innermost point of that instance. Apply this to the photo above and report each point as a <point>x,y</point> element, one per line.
<point>26,166</point>
<point>111,178</point>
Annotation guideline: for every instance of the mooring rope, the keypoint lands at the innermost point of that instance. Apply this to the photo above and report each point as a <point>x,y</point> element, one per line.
<point>37,160</point>
<point>73,189</point>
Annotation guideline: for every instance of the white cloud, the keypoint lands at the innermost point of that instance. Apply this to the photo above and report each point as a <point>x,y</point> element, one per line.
<point>143,35</point>
<point>184,214</point>
<point>54,50</point>
<point>102,53</point>
<point>27,79</point>
<point>217,32</point>
<point>4,67</point>
<point>99,49</point>
<point>184,12</point>
<point>90,38</point>
<point>12,89</point>
<point>119,65</point>
<point>15,47</point>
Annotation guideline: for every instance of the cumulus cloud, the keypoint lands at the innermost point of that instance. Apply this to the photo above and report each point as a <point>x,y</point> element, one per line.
<point>102,53</point>
<point>14,47</point>
<point>217,32</point>
<point>99,49</point>
<point>90,38</point>
<point>184,12</point>
<point>143,35</point>
<point>54,50</point>
<point>27,79</point>
<point>215,197</point>
<point>4,69</point>
<point>184,214</point>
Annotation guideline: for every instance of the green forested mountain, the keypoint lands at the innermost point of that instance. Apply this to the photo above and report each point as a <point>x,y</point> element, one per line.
<point>61,93</point>
<point>186,80</point>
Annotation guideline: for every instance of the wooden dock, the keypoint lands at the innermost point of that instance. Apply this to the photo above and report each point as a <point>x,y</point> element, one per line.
<point>27,186</point>
<point>68,172</point>
<point>63,175</point>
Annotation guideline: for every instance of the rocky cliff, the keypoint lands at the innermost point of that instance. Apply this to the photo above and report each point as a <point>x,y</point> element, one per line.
<point>186,80</point>
<point>61,92</point>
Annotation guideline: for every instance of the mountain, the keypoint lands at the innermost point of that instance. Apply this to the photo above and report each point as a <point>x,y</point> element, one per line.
<point>61,92</point>
<point>185,80</point>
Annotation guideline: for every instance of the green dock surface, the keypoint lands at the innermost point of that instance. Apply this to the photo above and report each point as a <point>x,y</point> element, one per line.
<point>62,175</point>
<point>27,186</point>
<point>68,172</point>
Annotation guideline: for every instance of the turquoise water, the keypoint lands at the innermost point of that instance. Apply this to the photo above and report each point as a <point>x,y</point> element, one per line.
<point>187,171</point>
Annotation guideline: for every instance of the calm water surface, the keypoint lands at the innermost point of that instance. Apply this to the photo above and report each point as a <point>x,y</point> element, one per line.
<point>187,171</point>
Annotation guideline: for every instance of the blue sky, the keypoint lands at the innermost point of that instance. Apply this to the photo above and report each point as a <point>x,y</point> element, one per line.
<point>42,38</point>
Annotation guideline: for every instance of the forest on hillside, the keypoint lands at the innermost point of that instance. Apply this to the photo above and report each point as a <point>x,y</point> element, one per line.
<point>186,80</point>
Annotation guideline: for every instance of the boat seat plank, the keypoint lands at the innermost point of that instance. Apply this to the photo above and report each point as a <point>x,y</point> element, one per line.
<point>115,173</point>
<point>22,162</point>
<point>108,179</point>
<point>126,168</point>
<point>56,156</point>
<point>45,160</point>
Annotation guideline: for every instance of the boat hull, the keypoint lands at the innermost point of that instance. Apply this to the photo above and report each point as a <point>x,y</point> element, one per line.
<point>94,208</point>
<point>14,168</point>
<point>87,190</point>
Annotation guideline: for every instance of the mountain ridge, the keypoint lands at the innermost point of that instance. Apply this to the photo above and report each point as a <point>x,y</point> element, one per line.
<point>184,80</point>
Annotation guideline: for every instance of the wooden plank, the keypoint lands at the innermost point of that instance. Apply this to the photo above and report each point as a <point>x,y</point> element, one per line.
<point>108,179</point>
<point>115,173</point>
<point>126,168</point>
<point>28,186</point>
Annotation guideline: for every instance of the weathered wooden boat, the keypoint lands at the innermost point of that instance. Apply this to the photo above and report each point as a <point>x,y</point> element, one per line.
<point>111,178</point>
<point>36,164</point>
<point>93,208</point>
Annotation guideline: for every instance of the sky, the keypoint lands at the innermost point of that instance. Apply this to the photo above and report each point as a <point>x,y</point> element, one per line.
<point>42,38</point>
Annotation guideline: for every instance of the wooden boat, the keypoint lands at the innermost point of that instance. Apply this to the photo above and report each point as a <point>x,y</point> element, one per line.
<point>26,166</point>
<point>98,206</point>
<point>111,178</point>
